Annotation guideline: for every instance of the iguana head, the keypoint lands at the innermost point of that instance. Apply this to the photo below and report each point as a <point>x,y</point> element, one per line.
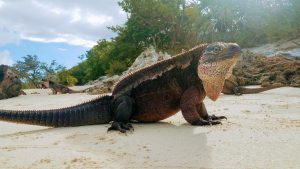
<point>45,84</point>
<point>215,65</point>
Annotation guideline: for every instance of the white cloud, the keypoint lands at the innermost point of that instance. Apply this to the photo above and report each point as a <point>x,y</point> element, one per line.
<point>62,49</point>
<point>98,20</point>
<point>5,58</point>
<point>1,3</point>
<point>8,36</point>
<point>73,40</point>
<point>75,15</point>
<point>74,22</point>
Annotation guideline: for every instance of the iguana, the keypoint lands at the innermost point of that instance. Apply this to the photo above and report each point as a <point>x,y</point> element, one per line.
<point>57,88</point>
<point>150,94</point>
<point>231,87</point>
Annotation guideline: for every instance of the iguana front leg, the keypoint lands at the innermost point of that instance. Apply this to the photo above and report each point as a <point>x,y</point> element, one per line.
<point>193,109</point>
<point>203,113</point>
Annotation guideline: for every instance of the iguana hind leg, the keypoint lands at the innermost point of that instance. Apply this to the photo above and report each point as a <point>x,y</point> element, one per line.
<point>122,108</point>
<point>193,109</point>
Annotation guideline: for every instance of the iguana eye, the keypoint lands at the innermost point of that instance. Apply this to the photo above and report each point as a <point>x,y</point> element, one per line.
<point>217,49</point>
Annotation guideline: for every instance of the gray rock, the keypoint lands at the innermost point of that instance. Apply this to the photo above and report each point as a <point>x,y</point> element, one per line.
<point>288,49</point>
<point>104,84</point>
<point>10,84</point>
<point>147,57</point>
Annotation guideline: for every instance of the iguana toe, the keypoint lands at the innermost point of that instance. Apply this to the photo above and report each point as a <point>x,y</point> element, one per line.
<point>127,126</point>
<point>215,122</point>
<point>214,117</point>
<point>119,126</point>
<point>203,122</point>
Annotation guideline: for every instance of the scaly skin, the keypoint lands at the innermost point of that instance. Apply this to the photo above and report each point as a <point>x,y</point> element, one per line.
<point>153,93</point>
<point>95,111</point>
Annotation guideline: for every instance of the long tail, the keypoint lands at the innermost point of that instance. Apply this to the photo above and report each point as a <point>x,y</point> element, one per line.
<point>76,91</point>
<point>256,90</point>
<point>96,111</point>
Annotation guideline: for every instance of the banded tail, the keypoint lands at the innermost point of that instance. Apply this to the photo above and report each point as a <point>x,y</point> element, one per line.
<point>96,111</point>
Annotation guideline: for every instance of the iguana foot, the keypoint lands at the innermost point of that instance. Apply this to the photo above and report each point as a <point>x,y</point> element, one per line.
<point>237,91</point>
<point>119,126</point>
<point>213,117</point>
<point>203,122</point>
<point>127,126</point>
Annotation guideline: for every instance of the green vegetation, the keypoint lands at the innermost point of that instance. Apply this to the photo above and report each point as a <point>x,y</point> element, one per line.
<point>31,71</point>
<point>173,25</point>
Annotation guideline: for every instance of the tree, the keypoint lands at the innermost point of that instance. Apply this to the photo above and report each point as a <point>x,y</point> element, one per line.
<point>173,25</point>
<point>50,71</point>
<point>31,70</point>
<point>66,78</point>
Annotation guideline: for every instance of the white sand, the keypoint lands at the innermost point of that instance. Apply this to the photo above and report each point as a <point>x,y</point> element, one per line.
<point>262,131</point>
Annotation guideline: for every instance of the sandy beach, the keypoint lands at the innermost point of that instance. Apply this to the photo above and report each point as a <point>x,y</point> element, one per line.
<point>262,131</point>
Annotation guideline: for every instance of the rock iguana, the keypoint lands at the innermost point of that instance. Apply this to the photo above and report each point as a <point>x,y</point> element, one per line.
<point>57,88</point>
<point>232,88</point>
<point>150,94</point>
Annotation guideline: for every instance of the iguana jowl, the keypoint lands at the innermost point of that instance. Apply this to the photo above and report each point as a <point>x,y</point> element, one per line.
<point>151,94</point>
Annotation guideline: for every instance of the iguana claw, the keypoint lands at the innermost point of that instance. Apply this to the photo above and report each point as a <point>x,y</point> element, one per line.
<point>119,126</point>
<point>213,117</point>
<point>202,122</point>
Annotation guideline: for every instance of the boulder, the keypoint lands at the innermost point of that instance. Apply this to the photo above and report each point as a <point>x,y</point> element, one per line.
<point>10,84</point>
<point>258,69</point>
<point>105,84</point>
<point>289,49</point>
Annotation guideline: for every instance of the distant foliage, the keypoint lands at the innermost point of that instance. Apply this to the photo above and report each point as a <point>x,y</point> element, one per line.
<point>31,71</point>
<point>173,25</point>
<point>66,78</point>
<point>116,67</point>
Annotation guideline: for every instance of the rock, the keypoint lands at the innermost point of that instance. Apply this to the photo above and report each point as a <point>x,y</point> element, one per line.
<point>296,82</point>
<point>147,57</point>
<point>258,69</point>
<point>10,84</point>
<point>289,49</point>
<point>105,84</point>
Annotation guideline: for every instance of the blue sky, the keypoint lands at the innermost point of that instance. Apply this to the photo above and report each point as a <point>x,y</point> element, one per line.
<point>54,29</point>
<point>63,53</point>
